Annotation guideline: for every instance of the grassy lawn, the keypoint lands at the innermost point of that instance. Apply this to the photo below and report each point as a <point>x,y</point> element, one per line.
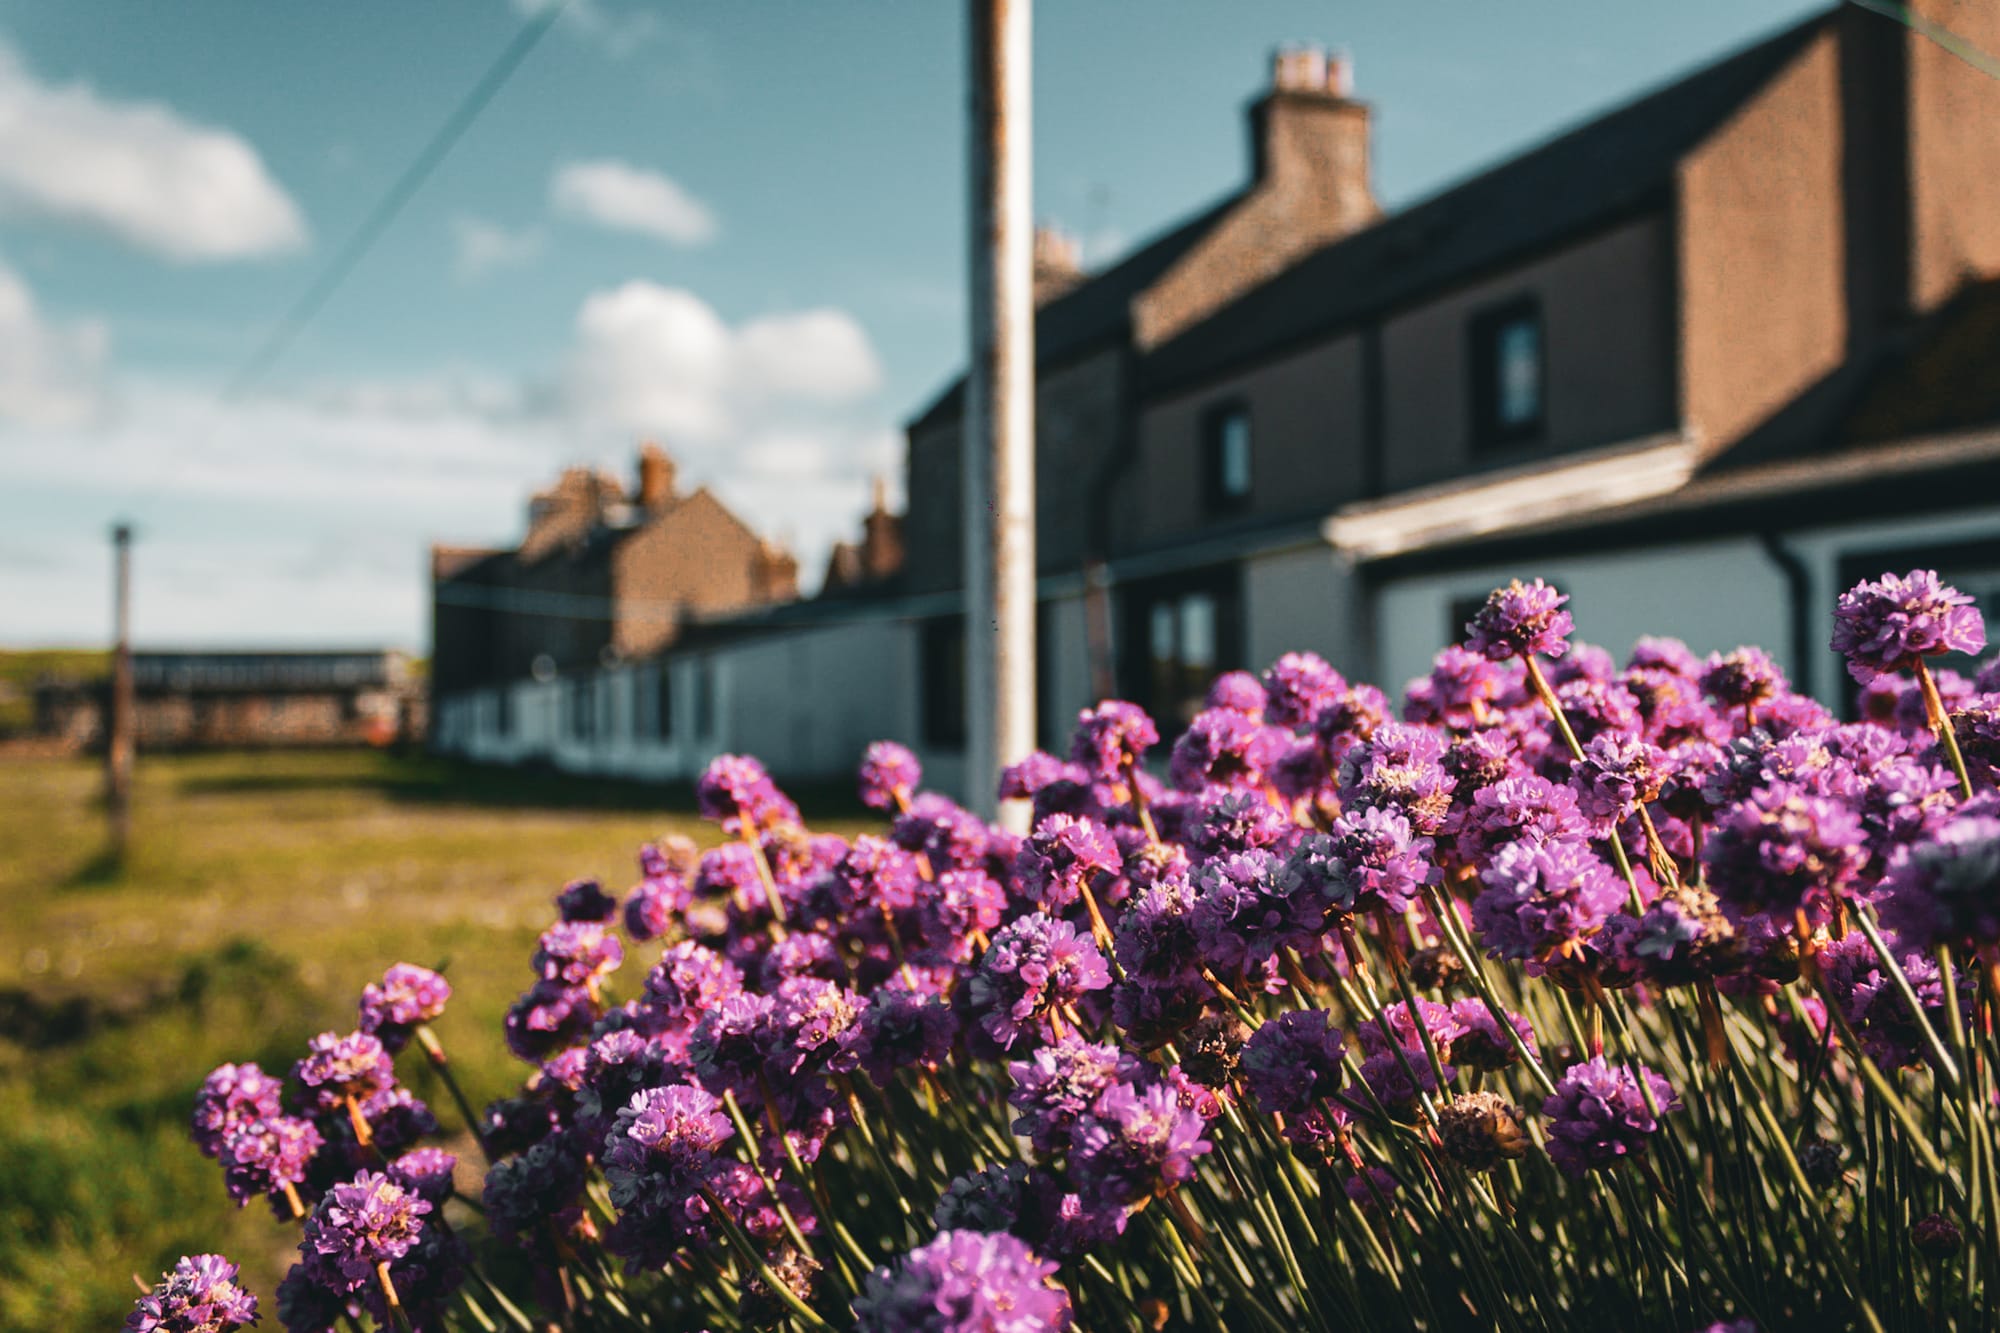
<point>262,892</point>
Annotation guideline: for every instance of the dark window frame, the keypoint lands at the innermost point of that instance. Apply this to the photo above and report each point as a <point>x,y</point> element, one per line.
<point>941,667</point>
<point>663,702</point>
<point>1214,421</point>
<point>1483,340</point>
<point>1138,680</point>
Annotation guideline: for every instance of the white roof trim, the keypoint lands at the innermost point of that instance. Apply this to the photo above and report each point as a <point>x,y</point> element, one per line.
<point>1494,502</point>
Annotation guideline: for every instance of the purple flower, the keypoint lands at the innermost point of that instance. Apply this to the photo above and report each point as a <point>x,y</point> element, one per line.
<point>1526,809</point>
<point>1656,653</point>
<point>1223,748</point>
<point>544,1185</point>
<point>198,1295</point>
<point>809,1015</point>
<point>964,1282</point>
<point>1061,858</point>
<point>1156,935</point>
<point>1237,691</point>
<point>1296,687</point>
<point>734,788</point>
<point>729,1043</point>
<point>659,1161</point>
<point>948,835</point>
<point>1136,1144</point>
<point>585,900</point>
<point>1681,937</point>
<point>576,953</point>
<point>337,1068</point>
<point>1152,1011</point>
<point>1111,739</point>
<point>1946,889</point>
<point>1745,678</point>
<point>654,904</point>
<point>1873,1005</point>
<point>1293,1062</point>
<point>1542,899</point>
<point>1349,718</point>
<point>408,995</point>
<point>1780,851</point>
<point>1056,1086</point>
<point>1245,910</point>
<point>1024,781</point>
<point>1893,624</point>
<point>369,1220</point>
<point>1397,1066</point>
<point>1370,862</point>
<point>900,1029</point>
<point>260,1157</point>
<point>1460,689</point>
<point>304,1306</point>
<point>1599,1114</point>
<point>428,1171</point>
<point>689,980</point>
<point>1238,821</point>
<point>1616,775</point>
<point>547,1017</point>
<point>1481,1043</point>
<point>1520,620</point>
<point>1400,768</point>
<point>232,1095</point>
<point>1035,966</point>
<point>889,774</point>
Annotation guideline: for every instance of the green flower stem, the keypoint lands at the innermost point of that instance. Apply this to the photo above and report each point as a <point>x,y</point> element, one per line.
<point>792,1229</point>
<point>1940,721</point>
<point>434,1051</point>
<point>1947,1066</point>
<point>805,1313</point>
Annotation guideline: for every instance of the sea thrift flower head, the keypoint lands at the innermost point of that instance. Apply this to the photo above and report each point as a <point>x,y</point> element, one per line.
<point>964,1282</point>
<point>1369,862</point>
<point>397,1119</point>
<point>1245,910</point>
<point>427,1171</point>
<point>1136,1144</point>
<point>547,1017</point>
<point>338,1067</point>
<point>1977,729</point>
<point>1025,780</point>
<point>1239,692</point>
<point>1301,771</point>
<point>1520,620</point>
<point>369,1220</point>
<point>1599,1115</point>
<point>1236,822</point>
<point>730,1042</point>
<point>1782,851</point>
<point>959,902</point>
<point>654,905</point>
<point>1370,1188</point>
<point>1904,802</point>
<point>1213,1049</point>
<point>406,996</point>
<point>889,774</point>
<point>1616,775</point>
<point>1657,653</point>
<point>1152,1011</point>
<point>1480,1130</point>
<point>1035,966</point>
<point>1296,687</point>
<point>1112,738</point>
<point>801,954</point>
<point>1479,759</point>
<point>1946,889</point>
<point>1000,1196</point>
<point>1527,809</point>
<point>735,788</point>
<point>1223,748</point>
<point>900,1029</point>
<point>576,953</point>
<point>1156,934</point>
<point>1892,624</point>
<point>197,1295</point>
<point>689,980</point>
<point>1541,899</point>
<point>1936,1237</point>
<point>1481,1044</point>
<point>260,1157</point>
<point>1745,678</point>
<point>585,900</point>
<point>1400,767</point>
<point>1349,718</point>
<point>1461,687</point>
<point>1293,1062</point>
<point>232,1095</point>
<point>1059,1083</point>
<point>809,1015</point>
<point>525,1193</point>
<point>1398,1066</point>
<point>875,876</point>
<point>944,832</point>
<point>304,1306</point>
<point>1063,857</point>
<point>1682,937</point>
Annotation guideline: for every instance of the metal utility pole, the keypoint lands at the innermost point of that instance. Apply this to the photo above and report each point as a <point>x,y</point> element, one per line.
<point>998,470</point>
<point>120,742</point>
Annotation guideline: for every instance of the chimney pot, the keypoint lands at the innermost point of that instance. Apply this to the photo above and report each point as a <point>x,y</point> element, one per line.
<point>1058,262</point>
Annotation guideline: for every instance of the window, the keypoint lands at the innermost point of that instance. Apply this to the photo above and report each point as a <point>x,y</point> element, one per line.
<point>704,697</point>
<point>582,710</point>
<point>662,690</point>
<point>1227,461</point>
<point>503,721</point>
<point>942,682</point>
<point>1187,633</point>
<point>1508,379</point>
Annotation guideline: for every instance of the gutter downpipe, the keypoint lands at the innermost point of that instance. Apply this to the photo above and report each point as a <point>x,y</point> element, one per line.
<point>1799,592</point>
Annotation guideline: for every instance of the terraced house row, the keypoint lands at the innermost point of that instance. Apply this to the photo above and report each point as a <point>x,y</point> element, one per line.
<point>1701,360</point>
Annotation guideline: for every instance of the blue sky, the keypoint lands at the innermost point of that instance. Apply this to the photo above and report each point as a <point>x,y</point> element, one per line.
<point>735,227</point>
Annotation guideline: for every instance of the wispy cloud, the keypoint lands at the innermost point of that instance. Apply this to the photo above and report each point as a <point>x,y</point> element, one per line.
<point>622,197</point>
<point>617,29</point>
<point>481,246</point>
<point>51,374</point>
<point>137,171</point>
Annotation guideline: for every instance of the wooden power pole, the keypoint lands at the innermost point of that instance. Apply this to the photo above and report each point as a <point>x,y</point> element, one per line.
<point>120,741</point>
<point>999,451</point>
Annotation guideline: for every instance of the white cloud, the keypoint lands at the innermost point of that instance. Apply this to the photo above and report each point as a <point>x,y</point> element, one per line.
<point>137,171</point>
<point>481,247</point>
<point>623,197</point>
<point>50,374</point>
<point>617,31</point>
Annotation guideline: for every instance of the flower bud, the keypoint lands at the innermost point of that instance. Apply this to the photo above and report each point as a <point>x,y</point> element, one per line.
<point>760,1306</point>
<point>1936,1237</point>
<point>1214,1046</point>
<point>1822,1163</point>
<point>1435,968</point>
<point>1480,1130</point>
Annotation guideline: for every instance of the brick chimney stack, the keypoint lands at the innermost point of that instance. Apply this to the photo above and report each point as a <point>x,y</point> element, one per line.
<point>656,479</point>
<point>1310,135</point>
<point>1058,263</point>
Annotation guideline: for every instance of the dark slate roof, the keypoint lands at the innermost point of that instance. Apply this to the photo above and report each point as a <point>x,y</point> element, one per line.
<point>1098,308</point>
<point>1618,165</point>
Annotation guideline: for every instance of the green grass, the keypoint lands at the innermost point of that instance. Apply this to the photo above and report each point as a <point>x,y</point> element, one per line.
<point>20,668</point>
<point>261,893</point>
